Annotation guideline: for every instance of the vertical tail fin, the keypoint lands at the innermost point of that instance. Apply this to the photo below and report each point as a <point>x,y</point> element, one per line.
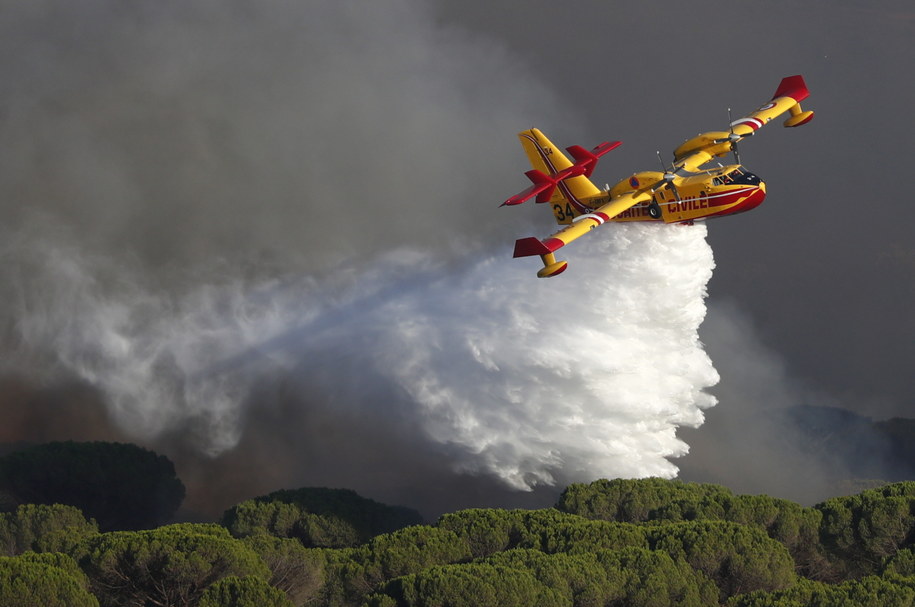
<point>795,88</point>
<point>567,198</point>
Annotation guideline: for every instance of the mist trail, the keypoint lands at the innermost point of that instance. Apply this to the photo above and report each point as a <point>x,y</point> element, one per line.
<point>483,366</point>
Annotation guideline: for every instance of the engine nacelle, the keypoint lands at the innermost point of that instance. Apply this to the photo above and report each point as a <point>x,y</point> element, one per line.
<point>714,143</point>
<point>637,181</point>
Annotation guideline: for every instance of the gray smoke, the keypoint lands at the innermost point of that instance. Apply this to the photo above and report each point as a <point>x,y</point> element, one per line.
<point>210,132</point>
<point>270,226</point>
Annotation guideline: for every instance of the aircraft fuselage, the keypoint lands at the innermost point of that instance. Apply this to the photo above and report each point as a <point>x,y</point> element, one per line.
<point>714,193</point>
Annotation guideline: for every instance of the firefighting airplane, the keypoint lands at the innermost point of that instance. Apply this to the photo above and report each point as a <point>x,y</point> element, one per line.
<point>684,193</point>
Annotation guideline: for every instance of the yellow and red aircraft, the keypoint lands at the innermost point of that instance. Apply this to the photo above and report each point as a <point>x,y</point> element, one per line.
<point>684,193</point>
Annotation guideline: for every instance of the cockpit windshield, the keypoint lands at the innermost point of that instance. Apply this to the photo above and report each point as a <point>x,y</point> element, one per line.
<point>738,176</point>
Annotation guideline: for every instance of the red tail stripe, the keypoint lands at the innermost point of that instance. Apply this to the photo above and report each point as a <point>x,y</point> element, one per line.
<point>794,87</point>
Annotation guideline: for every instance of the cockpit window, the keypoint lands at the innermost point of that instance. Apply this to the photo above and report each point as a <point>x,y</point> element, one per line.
<point>740,176</point>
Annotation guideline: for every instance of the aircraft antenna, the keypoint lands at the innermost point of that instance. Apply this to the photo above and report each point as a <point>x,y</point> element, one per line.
<point>734,137</point>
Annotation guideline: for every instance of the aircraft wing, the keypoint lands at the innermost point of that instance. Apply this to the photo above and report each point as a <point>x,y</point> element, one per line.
<point>581,225</point>
<point>704,147</point>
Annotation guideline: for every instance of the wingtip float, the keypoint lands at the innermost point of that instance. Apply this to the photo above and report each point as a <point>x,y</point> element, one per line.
<point>685,192</point>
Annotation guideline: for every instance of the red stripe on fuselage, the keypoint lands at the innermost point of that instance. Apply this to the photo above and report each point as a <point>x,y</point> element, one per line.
<point>733,201</point>
<point>751,201</point>
<point>753,123</point>
<point>553,244</point>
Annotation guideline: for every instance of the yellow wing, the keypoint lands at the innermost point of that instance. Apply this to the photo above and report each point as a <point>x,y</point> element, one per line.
<point>583,224</point>
<point>695,152</point>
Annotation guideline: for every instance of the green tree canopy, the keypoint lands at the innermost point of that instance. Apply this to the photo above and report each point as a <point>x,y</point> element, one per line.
<point>738,558</point>
<point>37,581</point>
<point>31,526</point>
<point>171,565</point>
<point>121,486</point>
<point>247,591</point>
<point>656,500</point>
<point>470,585</point>
<point>59,560</point>
<point>632,500</point>
<point>318,517</point>
<point>869,591</point>
<point>488,531</point>
<point>354,572</point>
<point>580,579</point>
<point>902,563</point>
<point>294,569</point>
<point>631,576</point>
<point>654,579</point>
<point>861,531</point>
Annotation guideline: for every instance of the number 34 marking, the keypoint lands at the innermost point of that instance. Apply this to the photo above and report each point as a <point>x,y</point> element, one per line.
<point>563,213</point>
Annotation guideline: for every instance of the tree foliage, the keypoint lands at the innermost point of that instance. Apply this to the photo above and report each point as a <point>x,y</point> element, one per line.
<point>488,531</point>
<point>42,581</point>
<point>902,563</point>
<point>470,585</point>
<point>42,527</point>
<point>61,561</point>
<point>632,500</point>
<point>631,576</point>
<point>658,500</point>
<point>649,543</point>
<point>355,572</point>
<point>172,565</point>
<point>318,517</point>
<point>122,486</point>
<point>861,531</point>
<point>247,591</point>
<point>737,558</point>
<point>294,569</point>
<point>869,591</point>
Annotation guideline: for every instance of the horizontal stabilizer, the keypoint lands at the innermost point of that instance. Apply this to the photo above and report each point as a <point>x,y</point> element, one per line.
<point>544,185</point>
<point>526,247</point>
<point>543,188</point>
<point>588,160</point>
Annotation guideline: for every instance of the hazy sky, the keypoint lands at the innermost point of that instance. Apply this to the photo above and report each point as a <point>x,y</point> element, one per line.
<point>196,198</point>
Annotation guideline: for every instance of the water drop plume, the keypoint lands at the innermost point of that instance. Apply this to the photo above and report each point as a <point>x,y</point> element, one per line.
<point>479,365</point>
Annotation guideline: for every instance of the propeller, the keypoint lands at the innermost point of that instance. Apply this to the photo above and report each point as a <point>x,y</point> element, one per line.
<point>668,178</point>
<point>733,138</point>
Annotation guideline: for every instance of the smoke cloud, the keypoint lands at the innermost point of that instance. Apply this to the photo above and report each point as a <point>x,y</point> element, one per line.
<point>772,421</point>
<point>188,133</point>
<point>257,229</point>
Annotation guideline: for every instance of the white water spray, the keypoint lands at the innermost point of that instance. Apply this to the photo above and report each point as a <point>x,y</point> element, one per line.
<point>533,381</point>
